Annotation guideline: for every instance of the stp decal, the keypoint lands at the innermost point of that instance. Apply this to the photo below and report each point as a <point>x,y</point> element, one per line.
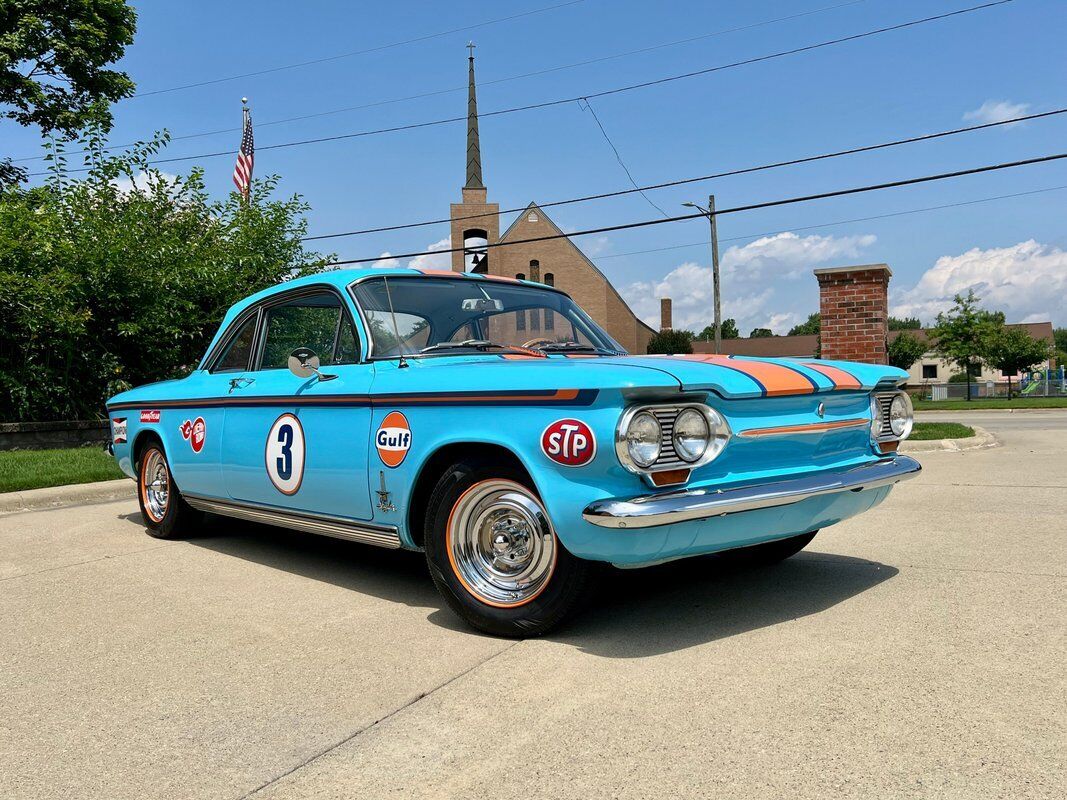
<point>150,415</point>
<point>284,454</point>
<point>194,432</point>
<point>393,439</point>
<point>569,442</point>
<point>118,430</point>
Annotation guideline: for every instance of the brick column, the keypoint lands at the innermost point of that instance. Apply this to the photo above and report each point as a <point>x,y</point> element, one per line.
<point>853,305</point>
<point>665,320</point>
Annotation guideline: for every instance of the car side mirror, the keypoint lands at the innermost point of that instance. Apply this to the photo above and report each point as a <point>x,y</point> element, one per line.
<point>304,363</point>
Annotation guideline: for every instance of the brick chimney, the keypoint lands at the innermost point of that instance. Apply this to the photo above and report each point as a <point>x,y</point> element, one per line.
<point>853,304</point>
<point>665,321</point>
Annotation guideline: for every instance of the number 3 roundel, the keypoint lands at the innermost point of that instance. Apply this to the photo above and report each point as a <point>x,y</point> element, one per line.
<point>285,454</point>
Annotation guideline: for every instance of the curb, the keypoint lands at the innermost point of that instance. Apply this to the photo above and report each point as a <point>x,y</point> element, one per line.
<point>60,496</point>
<point>980,410</point>
<point>981,439</point>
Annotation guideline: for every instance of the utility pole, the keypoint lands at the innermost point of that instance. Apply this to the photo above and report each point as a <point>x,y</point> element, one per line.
<point>709,212</point>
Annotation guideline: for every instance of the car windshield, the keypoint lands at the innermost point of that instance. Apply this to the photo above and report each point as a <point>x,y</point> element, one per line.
<point>440,316</point>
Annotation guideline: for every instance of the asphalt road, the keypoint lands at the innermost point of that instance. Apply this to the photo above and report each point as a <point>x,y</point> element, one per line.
<point>917,651</point>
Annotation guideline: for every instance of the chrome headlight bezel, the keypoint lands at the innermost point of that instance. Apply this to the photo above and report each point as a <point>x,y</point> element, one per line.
<point>882,409</point>
<point>718,430</point>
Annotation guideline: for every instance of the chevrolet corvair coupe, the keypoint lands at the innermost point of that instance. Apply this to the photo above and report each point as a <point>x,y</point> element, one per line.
<point>492,424</point>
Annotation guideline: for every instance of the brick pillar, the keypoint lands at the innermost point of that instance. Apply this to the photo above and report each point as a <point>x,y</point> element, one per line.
<point>853,304</point>
<point>665,321</point>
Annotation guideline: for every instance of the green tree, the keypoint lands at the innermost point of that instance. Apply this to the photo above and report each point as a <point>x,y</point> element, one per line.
<point>729,331</point>
<point>760,333</point>
<point>905,324</point>
<point>671,343</point>
<point>53,59</point>
<point>103,287</point>
<point>811,326</point>
<point>1013,349</point>
<point>905,350</point>
<point>1060,337</point>
<point>963,334</point>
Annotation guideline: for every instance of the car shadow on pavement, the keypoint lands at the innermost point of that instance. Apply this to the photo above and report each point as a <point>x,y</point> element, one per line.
<point>630,613</point>
<point>645,612</point>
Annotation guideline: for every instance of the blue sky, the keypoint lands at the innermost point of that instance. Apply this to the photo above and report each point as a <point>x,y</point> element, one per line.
<point>928,78</point>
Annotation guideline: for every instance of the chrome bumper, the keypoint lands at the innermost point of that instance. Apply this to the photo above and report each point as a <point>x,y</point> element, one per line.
<point>684,506</point>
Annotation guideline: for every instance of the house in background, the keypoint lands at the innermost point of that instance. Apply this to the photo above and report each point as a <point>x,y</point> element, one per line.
<point>931,368</point>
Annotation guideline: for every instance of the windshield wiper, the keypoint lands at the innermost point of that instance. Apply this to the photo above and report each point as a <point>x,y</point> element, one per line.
<point>574,347</point>
<point>467,344</point>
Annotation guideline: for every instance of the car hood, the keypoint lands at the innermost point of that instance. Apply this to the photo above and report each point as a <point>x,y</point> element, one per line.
<point>726,376</point>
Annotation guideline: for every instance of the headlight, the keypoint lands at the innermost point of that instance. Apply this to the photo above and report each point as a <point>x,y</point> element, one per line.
<point>691,435</point>
<point>642,439</point>
<point>901,416</point>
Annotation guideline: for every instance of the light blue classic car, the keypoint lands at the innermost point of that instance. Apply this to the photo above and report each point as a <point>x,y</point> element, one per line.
<point>492,424</point>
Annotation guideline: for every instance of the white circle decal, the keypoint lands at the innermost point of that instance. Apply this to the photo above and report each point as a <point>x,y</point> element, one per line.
<point>285,454</point>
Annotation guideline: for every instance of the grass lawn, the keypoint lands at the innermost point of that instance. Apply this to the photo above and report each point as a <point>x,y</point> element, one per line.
<point>35,469</point>
<point>924,431</point>
<point>978,405</point>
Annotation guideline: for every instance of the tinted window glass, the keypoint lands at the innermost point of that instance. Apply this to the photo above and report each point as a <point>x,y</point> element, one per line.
<point>235,356</point>
<point>304,322</point>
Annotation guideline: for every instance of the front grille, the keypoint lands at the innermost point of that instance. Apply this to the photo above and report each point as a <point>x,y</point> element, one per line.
<point>881,429</point>
<point>668,459</point>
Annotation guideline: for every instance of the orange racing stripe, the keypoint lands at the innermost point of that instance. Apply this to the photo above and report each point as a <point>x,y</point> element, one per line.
<point>841,379</point>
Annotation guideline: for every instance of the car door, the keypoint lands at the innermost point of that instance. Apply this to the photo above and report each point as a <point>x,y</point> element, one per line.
<point>301,443</point>
<point>193,432</point>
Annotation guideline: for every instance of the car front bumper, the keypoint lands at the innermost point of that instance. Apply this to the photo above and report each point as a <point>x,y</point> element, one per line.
<point>649,511</point>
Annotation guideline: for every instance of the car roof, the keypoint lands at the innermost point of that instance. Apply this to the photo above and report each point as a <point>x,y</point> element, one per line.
<point>341,278</point>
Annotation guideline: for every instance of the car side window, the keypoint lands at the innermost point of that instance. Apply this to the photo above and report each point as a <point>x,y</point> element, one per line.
<point>235,357</point>
<point>314,321</point>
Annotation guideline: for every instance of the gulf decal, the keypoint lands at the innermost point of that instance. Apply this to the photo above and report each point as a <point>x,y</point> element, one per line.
<point>569,442</point>
<point>150,416</point>
<point>773,379</point>
<point>118,430</point>
<point>195,433</point>
<point>841,379</point>
<point>393,439</point>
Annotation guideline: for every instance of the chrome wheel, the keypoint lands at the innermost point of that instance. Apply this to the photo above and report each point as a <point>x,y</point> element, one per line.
<point>500,543</point>
<point>155,485</point>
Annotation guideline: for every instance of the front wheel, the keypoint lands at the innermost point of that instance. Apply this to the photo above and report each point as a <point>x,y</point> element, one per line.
<point>494,556</point>
<point>165,513</point>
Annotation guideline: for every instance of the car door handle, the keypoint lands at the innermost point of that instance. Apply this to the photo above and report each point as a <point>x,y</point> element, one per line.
<point>240,383</point>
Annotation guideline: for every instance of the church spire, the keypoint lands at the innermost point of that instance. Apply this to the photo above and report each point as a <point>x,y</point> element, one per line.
<point>474,153</point>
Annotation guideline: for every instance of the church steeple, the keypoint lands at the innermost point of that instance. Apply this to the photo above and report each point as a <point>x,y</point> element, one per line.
<point>474,153</point>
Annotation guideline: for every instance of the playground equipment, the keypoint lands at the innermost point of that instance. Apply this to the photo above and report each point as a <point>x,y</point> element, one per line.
<point>1044,382</point>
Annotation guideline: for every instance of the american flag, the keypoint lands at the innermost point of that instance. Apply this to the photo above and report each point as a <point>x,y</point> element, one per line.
<point>246,157</point>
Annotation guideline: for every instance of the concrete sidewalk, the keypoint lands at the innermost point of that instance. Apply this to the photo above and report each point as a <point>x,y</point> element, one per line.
<point>916,651</point>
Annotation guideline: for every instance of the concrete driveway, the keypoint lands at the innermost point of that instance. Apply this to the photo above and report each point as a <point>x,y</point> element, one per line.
<point>917,651</point>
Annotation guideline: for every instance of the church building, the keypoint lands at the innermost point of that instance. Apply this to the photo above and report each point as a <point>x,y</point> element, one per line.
<point>556,262</point>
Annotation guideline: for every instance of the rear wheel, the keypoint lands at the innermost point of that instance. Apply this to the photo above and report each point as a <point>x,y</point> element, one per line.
<point>165,513</point>
<point>494,555</point>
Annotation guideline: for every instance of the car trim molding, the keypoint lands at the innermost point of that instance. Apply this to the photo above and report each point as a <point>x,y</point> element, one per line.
<point>522,397</point>
<point>811,427</point>
<point>321,524</point>
<point>652,510</point>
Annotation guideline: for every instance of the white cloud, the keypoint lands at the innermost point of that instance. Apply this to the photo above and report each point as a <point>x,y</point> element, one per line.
<point>1027,281</point>
<point>752,275</point>
<point>437,260</point>
<point>143,181</point>
<point>997,111</point>
<point>386,260</point>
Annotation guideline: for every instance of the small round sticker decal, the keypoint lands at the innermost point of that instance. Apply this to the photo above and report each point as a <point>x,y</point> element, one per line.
<point>393,439</point>
<point>195,433</point>
<point>285,454</point>
<point>569,442</point>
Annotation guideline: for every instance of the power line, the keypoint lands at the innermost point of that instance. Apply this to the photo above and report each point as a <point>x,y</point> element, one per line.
<point>588,95</point>
<point>700,178</point>
<point>615,150</point>
<point>838,222</point>
<point>483,83</point>
<point>375,49</point>
<point>724,211</point>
